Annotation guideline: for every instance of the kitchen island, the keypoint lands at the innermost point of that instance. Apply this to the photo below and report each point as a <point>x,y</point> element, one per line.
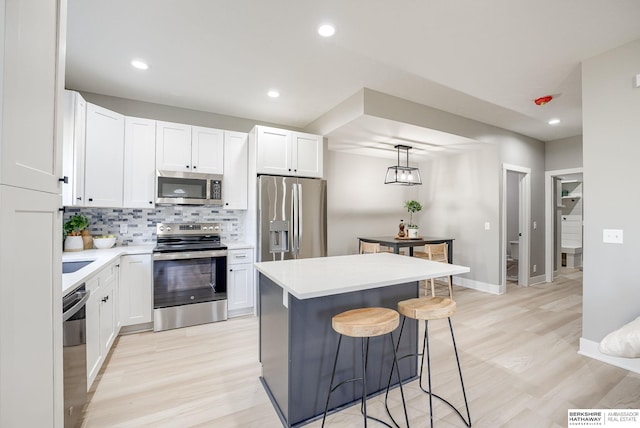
<point>298,298</point>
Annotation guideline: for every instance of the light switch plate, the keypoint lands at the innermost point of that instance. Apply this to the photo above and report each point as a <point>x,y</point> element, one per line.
<point>487,226</point>
<point>123,228</point>
<point>612,236</point>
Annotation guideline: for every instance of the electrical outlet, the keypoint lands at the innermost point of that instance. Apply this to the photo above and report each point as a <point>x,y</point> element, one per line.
<point>487,226</point>
<point>535,268</point>
<point>612,236</point>
<point>123,229</point>
<point>535,224</point>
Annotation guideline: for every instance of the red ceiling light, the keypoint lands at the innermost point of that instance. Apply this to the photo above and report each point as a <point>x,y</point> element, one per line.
<point>543,100</point>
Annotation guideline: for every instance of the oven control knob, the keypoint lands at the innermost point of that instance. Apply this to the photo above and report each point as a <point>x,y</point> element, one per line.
<point>161,228</point>
<point>168,228</point>
<point>217,227</point>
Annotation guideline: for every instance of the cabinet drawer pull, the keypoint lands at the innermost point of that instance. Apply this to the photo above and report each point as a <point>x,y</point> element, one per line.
<point>104,299</point>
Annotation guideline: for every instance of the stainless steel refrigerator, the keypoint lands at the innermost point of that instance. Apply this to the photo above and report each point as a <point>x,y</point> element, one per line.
<point>292,217</point>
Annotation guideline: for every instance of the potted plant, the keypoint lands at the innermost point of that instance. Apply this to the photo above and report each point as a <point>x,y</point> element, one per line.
<point>412,207</point>
<point>73,229</point>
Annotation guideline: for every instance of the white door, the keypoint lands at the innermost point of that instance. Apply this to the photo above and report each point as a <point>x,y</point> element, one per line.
<point>139,162</point>
<point>273,151</point>
<point>234,191</point>
<point>32,87</point>
<point>136,289</point>
<point>30,307</point>
<point>94,354</point>
<point>307,155</point>
<point>207,150</point>
<point>240,286</point>
<point>104,157</point>
<point>173,146</point>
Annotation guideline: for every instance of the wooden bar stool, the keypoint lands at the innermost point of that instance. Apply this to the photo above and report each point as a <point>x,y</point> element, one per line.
<point>366,323</point>
<point>435,253</point>
<point>432,308</point>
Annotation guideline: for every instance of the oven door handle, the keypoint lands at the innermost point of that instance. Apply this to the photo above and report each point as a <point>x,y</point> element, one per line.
<point>189,255</point>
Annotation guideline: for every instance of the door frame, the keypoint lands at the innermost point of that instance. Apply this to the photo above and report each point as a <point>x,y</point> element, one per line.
<point>549,212</point>
<point>524,207</point>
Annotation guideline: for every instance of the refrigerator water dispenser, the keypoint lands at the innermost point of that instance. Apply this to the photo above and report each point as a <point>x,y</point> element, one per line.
<point>278,236</point>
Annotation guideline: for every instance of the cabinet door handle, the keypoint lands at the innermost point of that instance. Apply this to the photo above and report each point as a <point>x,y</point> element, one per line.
<point>104,299</point>
<point>194,167</point>
<point>90,199</point>
<point>61,209</point>
<point>79,198</point>
<point>151,202</point>
<point>188,167</point>
<point>230,270</point>
<point>64,180</point>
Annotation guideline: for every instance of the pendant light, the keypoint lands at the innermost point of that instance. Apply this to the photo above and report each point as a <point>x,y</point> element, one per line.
<point>405,175</point>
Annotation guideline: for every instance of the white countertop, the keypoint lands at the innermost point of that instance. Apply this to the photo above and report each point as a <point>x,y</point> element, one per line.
<point>101,258</point>
<point>326,276</point>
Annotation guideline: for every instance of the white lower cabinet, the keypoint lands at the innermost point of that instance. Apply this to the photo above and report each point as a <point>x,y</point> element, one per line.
<point>240,282</point>
<point>102,320</point>
<point>136,288</point>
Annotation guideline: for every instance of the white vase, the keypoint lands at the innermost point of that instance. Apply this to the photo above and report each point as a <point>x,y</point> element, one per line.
<point>413,232</point>
<point>73,243</point>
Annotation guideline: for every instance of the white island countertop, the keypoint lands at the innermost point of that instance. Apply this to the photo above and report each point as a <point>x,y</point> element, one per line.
<point>326,276</point>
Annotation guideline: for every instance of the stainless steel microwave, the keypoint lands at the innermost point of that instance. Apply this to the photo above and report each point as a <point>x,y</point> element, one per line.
<point>188,188</point>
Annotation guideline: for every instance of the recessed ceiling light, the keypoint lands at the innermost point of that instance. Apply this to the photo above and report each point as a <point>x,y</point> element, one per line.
<point>273,93</point>
<point>554,121</point>
<point>326,30</point>
<point>140,65</point>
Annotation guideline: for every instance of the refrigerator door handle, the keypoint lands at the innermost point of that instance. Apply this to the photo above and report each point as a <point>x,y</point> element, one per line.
<point>294,219</point>
<point>300,217</point>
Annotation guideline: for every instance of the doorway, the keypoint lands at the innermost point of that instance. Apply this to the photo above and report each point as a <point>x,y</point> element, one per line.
<point>516,213</point>
<point>564,218</point>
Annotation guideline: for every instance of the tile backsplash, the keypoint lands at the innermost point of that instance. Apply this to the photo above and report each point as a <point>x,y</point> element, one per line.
<point>141,223</point>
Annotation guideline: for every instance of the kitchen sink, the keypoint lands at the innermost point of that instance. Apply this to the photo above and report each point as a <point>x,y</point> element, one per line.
<point>72,266</point>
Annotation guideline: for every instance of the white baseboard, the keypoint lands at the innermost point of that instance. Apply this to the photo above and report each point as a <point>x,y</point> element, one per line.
<point>589,348</point>
<point>537,279</point>
<point>480,286</point>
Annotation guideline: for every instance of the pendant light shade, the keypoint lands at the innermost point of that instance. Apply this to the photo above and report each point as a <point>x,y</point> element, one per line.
<point>405,175</point>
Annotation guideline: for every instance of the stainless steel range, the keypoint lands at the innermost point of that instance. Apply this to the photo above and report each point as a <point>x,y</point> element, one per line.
<point>189,275</point>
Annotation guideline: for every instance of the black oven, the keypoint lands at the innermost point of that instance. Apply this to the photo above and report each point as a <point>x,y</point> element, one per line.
<point>189,278</point>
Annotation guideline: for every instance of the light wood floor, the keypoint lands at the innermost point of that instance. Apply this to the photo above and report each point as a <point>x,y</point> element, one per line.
<point>518,354</point>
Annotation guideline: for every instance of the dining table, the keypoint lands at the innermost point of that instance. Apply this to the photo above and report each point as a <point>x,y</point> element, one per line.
<point>397,243</point>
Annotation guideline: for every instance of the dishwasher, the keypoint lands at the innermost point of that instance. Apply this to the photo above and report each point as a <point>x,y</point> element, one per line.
<point>74,354</point>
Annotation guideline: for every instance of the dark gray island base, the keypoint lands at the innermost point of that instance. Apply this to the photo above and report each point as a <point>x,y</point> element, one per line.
<point>298,345</point>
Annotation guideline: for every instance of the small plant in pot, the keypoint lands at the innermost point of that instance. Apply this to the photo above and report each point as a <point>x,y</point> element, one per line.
<point>412,207</point>
<point>74,228</point>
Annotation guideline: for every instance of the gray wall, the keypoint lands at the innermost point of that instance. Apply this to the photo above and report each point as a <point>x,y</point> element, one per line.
<point>563,154</point>
<point>460,194</point>
<point>359,203</point>
<point>611,151</point>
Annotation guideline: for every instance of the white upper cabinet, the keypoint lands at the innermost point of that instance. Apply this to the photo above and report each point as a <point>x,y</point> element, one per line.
<point>283,152</point>
<point>234,191</point>
<point>207,150</point>
<point>307,154</point>
<point>74,121</point>
<point>188,148</point>
<point>139,163</point>
<point>104,157</point>
<point>31,93</point>
<point>173,146</point>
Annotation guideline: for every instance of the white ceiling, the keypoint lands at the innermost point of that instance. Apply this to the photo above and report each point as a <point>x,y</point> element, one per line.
<point>486,60</point>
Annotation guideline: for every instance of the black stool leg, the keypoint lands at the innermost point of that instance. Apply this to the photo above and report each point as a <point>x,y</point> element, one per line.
<point>426,352</point>
<point>333,373</point>
<point>365,351</point>
<point>397,366</point>
<point>464,393</point>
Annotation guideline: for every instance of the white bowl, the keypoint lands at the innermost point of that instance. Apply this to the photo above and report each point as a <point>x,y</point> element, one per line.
<point>102,243</point>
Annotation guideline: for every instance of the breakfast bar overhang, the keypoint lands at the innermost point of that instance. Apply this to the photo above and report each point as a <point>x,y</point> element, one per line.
<point>298,298</point>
